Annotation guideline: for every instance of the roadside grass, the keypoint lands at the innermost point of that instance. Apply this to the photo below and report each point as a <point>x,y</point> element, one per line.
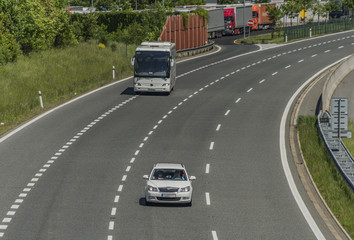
<point>60,74</point>
<point>262,38</point>
<point>349,142</point>
<point>328,180</point>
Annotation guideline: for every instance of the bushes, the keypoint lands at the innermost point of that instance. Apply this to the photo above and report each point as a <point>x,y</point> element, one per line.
<point>32,25</point>
<point>9,48</point>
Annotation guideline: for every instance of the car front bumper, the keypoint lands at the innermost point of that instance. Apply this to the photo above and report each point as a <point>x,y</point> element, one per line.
<point>158,197</point>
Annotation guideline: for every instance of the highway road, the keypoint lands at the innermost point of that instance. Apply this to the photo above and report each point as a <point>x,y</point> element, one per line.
<point>76,173</point>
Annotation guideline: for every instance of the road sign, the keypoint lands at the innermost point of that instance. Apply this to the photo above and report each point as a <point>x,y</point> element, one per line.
<point>250,23</point>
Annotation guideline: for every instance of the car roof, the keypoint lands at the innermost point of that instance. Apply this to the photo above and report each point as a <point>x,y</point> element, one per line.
<point>169,165</point>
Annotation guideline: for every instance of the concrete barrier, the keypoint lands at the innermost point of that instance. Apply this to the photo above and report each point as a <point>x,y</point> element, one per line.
<point>333,80</point>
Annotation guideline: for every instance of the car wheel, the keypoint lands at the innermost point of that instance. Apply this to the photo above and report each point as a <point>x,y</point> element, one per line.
<point>189,204</point>
<point>147,203</point>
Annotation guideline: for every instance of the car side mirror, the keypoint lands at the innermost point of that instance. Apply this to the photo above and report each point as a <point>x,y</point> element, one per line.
<point>132,60</point>
<point>192,178</point>
<point>146,177</point>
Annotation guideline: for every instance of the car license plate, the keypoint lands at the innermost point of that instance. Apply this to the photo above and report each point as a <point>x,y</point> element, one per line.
<point>168,195</point>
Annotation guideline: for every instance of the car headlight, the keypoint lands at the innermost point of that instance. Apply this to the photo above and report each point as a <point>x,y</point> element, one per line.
<point>165,84</point>
<point>152,189</point>
<point>185,189</point>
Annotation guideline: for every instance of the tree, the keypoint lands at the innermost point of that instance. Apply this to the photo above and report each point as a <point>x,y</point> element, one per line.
<point>275,14</point>
<point>349,4</point>
<point>319,10</point>
<point>291,9</point>
<point>332,7</point>
<point>9,48</point>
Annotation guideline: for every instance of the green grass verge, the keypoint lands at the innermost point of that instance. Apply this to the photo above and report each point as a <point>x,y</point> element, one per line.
<point>60,74</point>
<point>330,183</point>
<point>349,142</point>
<point>263,38</point>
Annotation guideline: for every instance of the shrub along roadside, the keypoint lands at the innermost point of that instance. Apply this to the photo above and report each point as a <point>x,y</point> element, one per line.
<point>60,74</point>
<point>329,182</point>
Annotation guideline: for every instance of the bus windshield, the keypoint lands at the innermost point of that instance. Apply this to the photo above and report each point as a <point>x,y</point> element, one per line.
<point>152,64</point>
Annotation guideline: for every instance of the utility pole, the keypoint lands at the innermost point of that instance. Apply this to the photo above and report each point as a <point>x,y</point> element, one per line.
<point>244,22</point>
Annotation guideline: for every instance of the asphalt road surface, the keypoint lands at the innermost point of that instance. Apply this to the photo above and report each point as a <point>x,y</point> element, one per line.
<point>76,173</point>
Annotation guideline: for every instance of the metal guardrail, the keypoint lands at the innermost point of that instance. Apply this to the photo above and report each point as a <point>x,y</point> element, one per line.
<point>196,50</point>
<point>337,150</point>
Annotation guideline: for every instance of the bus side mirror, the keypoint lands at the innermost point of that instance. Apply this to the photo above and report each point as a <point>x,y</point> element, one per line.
<point>132,61</point>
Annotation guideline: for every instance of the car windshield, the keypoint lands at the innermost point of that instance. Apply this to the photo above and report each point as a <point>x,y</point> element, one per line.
<point>169,174</point>
<point>152,64</point>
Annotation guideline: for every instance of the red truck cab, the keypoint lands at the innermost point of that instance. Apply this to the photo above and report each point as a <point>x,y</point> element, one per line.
<point>229,19</point>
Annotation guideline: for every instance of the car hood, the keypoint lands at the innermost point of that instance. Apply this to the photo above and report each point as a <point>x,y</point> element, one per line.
<point>166,183</point>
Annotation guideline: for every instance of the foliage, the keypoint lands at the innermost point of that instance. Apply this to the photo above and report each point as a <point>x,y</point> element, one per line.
<point>185,17</point>
<point>202,13</point>
<point>32,25</point>
<point>9,48</point>
<point>221,2</point>
<point>291,9</point>
<point>86,27</point>
<point>275,14</point>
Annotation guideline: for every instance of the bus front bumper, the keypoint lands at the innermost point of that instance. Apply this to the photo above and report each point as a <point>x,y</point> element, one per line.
<point>152,89</point>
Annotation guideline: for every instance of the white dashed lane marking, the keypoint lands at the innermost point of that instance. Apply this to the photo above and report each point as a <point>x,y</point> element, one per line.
<point>207,198</point>
<point>207,168</point>
<point>215,236</point>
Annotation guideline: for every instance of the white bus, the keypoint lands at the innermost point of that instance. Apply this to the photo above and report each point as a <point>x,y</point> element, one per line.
<point>154,67</point>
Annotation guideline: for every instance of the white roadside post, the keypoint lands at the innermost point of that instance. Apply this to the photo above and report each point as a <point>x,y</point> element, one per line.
<point>40,99</point>
<point>310,32</point>
<point>114,72</point>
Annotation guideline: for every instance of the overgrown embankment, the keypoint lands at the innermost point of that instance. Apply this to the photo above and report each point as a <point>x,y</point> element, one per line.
<point>60,74</point>
<point>329,182</point>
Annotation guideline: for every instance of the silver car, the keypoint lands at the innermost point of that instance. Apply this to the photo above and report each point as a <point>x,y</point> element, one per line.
<point>168,183</point>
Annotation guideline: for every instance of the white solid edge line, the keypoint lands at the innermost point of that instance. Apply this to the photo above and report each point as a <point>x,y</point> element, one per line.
<point>311,222</point>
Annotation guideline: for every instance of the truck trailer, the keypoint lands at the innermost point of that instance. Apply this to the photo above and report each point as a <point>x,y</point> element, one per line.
<point>236,17</point>
<point>216,25</point>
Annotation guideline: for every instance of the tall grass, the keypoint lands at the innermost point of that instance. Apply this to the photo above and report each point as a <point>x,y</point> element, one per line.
<point>330,183</point>
<point>349,142</point>
<point>60,74</point>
